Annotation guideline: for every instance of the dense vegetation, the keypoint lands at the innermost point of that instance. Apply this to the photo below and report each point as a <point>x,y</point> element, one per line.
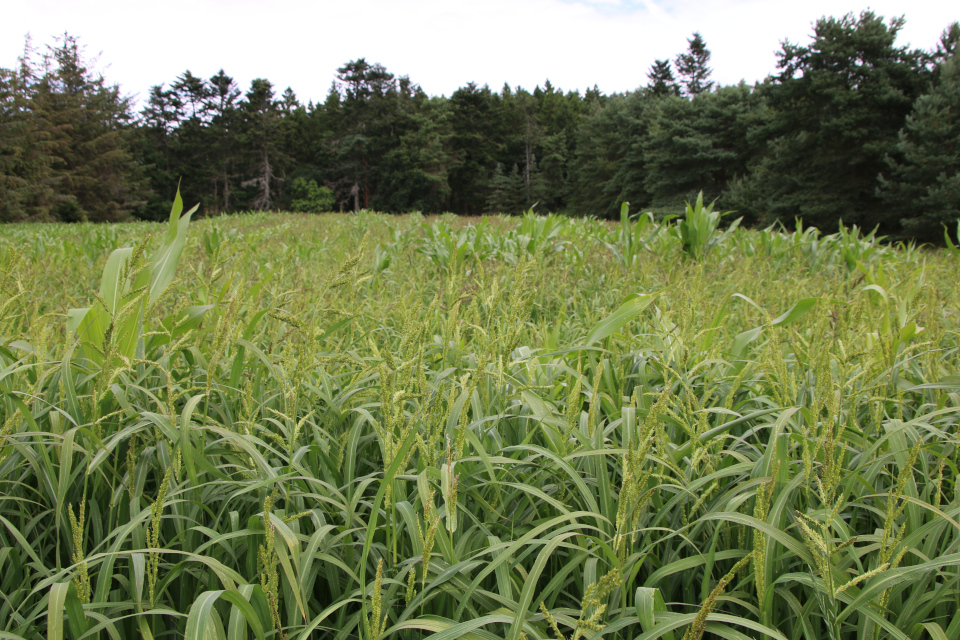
<point>850,126</point>
<point>531,427</point>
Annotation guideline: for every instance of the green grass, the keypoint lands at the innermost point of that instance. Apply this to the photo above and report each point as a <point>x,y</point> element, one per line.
<point>370,426</point>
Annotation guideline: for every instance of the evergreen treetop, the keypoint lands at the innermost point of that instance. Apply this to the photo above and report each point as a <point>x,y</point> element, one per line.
<point>661,79</point>
<point>692,67</point>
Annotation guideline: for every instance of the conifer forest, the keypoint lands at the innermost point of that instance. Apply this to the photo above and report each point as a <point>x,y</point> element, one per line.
<point>848,126</point>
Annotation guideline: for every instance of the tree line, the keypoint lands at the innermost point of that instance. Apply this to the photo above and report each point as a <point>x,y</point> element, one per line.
<point>850,126</point>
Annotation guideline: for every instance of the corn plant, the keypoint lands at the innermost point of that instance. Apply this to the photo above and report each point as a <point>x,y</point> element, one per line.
<point>698,229</point>
<point>632,239</point>
<point>385,427</point>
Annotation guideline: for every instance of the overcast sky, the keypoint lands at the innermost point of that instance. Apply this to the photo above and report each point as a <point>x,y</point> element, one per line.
<point>440,44</point>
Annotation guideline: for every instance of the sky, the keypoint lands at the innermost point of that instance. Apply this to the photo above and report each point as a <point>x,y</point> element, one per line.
<point>440,44</point>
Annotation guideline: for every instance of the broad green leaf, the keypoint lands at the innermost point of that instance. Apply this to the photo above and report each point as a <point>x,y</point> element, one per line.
<point>649,602</point>
<point>526,596</point>
<point>794,313</point>
<point>63,600</point>
<point>947,382</point>
<point>199,618</point>
<point>164,260</point>
<point>742,340</point>
<point>630,309</point>
<point>112,287</point>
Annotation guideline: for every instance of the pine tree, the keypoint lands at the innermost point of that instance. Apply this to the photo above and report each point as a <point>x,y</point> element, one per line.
<point>515,191</point>
<point>536,189</point>
<point>223,107</point>
<point>662,81</point>
<point>289,102</point>
<point>476,119</point>
<point>157,146</point>
<point>497,200</point>
<point>26,148</point>
<point>949,42</point>
<point>692,67</point>
<point>193,94</point>
<point>925,182</point>
<point>836,108</point>
<point>554,171</point>
<point>373,110</point>
<point>191,97</point>
<point>266,161</point>
<point>415,175</point>
<point>532,135</point>
<point>610,166</point>
<point>97,177</point>
<point>557,114</point>
<point>699,144</point>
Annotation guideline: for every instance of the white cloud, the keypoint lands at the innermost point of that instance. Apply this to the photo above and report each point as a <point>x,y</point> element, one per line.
<point>441,44</point>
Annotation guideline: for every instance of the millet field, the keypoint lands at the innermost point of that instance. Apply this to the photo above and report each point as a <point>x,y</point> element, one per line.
<point>368,426</point>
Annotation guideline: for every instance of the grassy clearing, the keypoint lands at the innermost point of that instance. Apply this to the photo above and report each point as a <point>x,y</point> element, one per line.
<point>371,426</point>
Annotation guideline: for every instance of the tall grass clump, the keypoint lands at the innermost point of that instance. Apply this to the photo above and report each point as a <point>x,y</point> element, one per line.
<point>320,426</point>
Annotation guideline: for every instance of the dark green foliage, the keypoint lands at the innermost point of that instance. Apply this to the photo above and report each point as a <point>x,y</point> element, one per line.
<point>91,122</point>
<point>154,143</point>
<point>308,197</point>
<point>194,129</point>
<point>525,135</point>
<point>600,150</point>
<point>414,176</point>
<point>662,82</point>
<point>508,192</point>
<point>369,114</point>
<point>700,144</point>
<point>836,105</point>
<point>26,151</point>
<point>66,138</point>
<point>222,140</point>
<point>947,47</point>
<point>265,162</point>
<point>610,165</point>
<point>924,182</point>
<point>234,147</point>
<point>364,131</point>
<point>692,67</point>
<point>811,141</point>
<point>559,115</point>
<point>500,191</point>
<point>474,142</point>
